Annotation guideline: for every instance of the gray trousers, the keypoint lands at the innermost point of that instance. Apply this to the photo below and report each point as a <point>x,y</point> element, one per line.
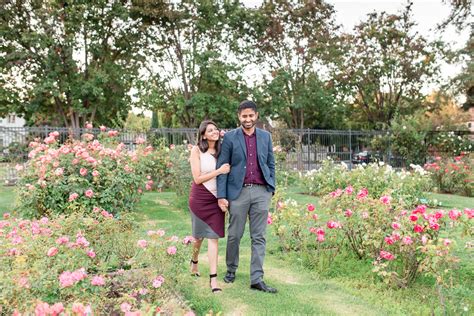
<point>253,202</point>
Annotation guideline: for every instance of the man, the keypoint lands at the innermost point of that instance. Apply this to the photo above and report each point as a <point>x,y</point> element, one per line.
<point>247,191</point>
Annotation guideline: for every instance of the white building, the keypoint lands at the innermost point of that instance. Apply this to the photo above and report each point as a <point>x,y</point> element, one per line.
<point>11,129</point>
<point>12,120</point>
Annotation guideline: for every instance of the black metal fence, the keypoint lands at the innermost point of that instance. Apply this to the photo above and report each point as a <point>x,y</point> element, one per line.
<point>303,149</point>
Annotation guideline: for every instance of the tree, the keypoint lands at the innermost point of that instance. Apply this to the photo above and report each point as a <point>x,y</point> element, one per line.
<point>385,66</point>
<point>68,62</point>
<point>460,15</point>
<point>293,42</point>
<point>191,75</point>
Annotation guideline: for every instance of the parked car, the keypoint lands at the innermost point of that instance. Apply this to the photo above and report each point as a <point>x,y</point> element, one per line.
<point>366,157</point>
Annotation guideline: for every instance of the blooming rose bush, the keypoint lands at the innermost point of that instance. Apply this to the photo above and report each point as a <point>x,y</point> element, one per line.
<point>87,264</point>
<point>402,243</point>
<point>81,175</point>
<point>453,175</point>
<point>300,229</point>
<point>407,187</point>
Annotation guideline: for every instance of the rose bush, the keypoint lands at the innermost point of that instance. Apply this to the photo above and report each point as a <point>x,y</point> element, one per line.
<point>407,187</point>
<point>87,264</point>
<point>350,222</point>
<point>81,175</point>
<point>453,175</point>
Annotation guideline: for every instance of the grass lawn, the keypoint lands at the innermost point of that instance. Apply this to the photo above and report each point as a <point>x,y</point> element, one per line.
<point>7,199</point>
<point>350,289</point>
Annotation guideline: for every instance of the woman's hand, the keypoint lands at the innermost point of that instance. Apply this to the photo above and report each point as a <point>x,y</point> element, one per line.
<point>224,169</point>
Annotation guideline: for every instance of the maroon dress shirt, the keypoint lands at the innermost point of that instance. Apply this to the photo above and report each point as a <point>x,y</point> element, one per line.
<point>254,173</point>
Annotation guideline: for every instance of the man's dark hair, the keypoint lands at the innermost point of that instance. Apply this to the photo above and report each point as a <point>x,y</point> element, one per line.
<point>247,104</point>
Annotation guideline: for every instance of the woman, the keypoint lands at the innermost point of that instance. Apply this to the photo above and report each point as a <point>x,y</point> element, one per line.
<point>207,217</point>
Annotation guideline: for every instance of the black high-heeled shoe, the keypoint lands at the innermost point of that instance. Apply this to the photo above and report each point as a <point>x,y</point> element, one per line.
<point>215,289</point>
<point>195,274</point>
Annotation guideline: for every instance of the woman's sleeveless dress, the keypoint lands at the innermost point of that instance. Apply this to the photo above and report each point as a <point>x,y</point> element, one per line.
<point>207,217</point>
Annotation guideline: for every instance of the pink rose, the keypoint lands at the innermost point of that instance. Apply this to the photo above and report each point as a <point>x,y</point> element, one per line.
<point>424,239</point>
<point>52,251</point>
<point>62,240</point>
<point>386,255</point>
<point>95,173</point>
<point>79,274</point>
<point>66,279</point>
<point>434,226</point>
<point>315,217</point>
<point>407,240</point>
<point>57,308</point>
<point>171,250</point>
<point>89,125</point>
<point>396,225</point>
<point>59,172</point>
<point>73,196</point>
<point>385,199</point>
<point>98,281</point>
<point>269,219</point>
<point>362,193</point>
<point>125,307</point>
<point>389,240</point>
<point>142,243</point>
<point>333,224</point>
<point>158,281</point>
<point>89,193</point>
<point>413,218</point>
<point>320,238</point>
<point>6,215</point>
<point>454,214</point>
<point>42,309</point>
<point>310,207</point>
<point>82,241</point>
<point>188,240</point>
<point>349,190</point>
<point>103,128</point>
<point>469,213</point>
<point>418,228</point>
<point>83,172</point>
<point>78,308</point>
<point>421,209</point>
<point>91,253</point>
<point>446,242</point>
<point>348,213</point>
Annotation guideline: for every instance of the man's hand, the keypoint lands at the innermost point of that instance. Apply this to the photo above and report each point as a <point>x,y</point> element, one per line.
<point>223,204</point>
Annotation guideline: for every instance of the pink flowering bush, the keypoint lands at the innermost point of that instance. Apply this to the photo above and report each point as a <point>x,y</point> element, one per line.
<point>300,229</point>
<point>86,264</point>
<point>402,243</point>
<point>453,175</point>
<point>81,175</point>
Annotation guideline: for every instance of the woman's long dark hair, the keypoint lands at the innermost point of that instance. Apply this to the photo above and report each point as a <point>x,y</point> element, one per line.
<point>202,143</point>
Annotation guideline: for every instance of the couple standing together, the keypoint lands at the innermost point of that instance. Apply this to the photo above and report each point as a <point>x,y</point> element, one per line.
<point>237,176</point>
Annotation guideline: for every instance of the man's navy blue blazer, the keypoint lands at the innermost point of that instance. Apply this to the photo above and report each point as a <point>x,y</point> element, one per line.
<point>234,152</point>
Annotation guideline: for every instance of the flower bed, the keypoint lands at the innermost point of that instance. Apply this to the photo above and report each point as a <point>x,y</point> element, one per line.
<point>84,264</point>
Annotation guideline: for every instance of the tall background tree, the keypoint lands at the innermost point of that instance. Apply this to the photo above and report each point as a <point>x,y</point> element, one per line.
<point>192,74</point>
<point>293,46</point>
<point>386,64</point>
<point>67,62</point>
